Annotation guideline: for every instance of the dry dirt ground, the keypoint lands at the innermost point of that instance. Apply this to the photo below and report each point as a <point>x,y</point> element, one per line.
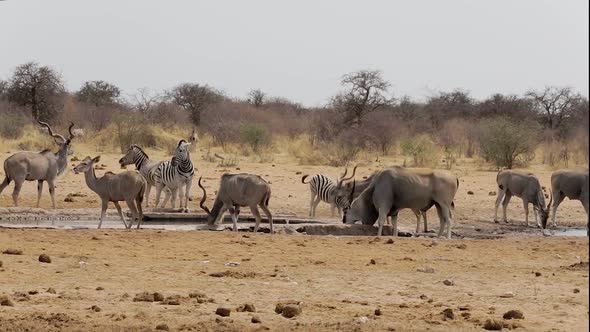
<point>340,281</point>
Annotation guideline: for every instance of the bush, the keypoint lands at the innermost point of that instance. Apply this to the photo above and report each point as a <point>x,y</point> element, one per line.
<point>256,136</point>
<point>422,149</point>
<point>11,125</point>
<point>506,142</point>
<point>131,129</point>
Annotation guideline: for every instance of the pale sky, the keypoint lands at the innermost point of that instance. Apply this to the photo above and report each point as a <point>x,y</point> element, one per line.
<point>300,49</point>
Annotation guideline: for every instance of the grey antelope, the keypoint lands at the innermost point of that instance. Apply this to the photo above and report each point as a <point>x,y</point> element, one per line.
<point>235,191</point>
<point>526,186</point>
<point>322,188</point>
<point>128,186</point>
<point>175,174</point>
<point>38,166</point>
<point>572,184</point>
<point>146,167</point>
<point>398,188</point>
<point>362,185</point>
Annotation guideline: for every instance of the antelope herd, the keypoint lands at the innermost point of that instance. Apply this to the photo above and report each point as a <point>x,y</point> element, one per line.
<point>378,198</point>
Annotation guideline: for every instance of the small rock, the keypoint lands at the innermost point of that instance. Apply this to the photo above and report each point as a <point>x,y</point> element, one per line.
<point>162,327</point>
<point>362,320</point>
<point>51,290</point>
<point>404,305</point>
<point>143,297</point>
<point>256,320</point>
<point>373,262</point>
<point>513,314</point>
<point>448,282</point>
<point>423,297</point>
<point>492,193</point>
<point>158,297</point>
<point>43,258</point>
<point>470,192</point>
<point>507,295</point>
<point>389,241</point>
<point>537,274</point>
<point>291,310</point>
<point>95,308</point>
<point>246,307</point>
<point>69,199</point>
<point>33,292</point>
<point>492,325</point>
<point>223,311</point>
<point>99,288</point>
<point>448,314</point>
<point>6,301</point>
<point>425,270</point>
<point>10,251</point>
<point>378,312</point>
<point>576,290</point>
<point>462,246</point>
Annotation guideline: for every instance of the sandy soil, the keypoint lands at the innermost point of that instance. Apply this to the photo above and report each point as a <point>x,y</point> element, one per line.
<point>334,278</point>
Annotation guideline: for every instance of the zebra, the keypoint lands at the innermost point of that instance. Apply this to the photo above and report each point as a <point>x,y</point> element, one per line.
<point>145,166</point>
<point>322,188</point>
<point>175,174</point>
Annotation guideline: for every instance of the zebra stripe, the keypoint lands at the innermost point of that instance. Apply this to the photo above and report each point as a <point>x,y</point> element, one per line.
<point>173,173</point>
<point>325,188</point>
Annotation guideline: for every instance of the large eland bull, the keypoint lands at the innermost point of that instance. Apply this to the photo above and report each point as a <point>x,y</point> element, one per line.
<point>398,188</point>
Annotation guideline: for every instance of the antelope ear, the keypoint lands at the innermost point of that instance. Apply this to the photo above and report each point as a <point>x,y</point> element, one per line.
<point>96,159</point>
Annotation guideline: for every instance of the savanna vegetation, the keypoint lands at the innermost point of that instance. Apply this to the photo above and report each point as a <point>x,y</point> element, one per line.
<point>365,120</point>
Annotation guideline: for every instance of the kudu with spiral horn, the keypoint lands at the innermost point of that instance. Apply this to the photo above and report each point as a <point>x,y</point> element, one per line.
<point>235,191</point>
<point>38,166</point>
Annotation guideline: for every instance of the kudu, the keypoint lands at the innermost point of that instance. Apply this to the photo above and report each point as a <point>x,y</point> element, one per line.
<point>572,184</point>
<point>235,191</point>
<point>128,186</point>
<point>526,186</point>
<point>38,166</point>
<point>398,188</point>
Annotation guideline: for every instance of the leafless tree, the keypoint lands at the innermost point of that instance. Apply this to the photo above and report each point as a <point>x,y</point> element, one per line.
<point>145,100</point>
<point>505,105</point>
<point>194,98</point>
<point>256,97</point>
<point>366,90</point>
<point>39,87</point>
<point>554,104</point>
<point>98,93</point>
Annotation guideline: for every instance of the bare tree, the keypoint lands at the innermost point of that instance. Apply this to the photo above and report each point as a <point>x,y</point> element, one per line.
<point>194,98</point>
<point>3,88</point>
<point>365,93</point>
<point>505,105</point>
<point>98,93</point>
<point>39,87</point>
<point>145,100</point>
<point>554,104</point>
<point>256,97</point>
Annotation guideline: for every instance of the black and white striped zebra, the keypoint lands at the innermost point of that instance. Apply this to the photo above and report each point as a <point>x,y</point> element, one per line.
<point>322,188</point>
<point>146,167</point>
<point>176,174</point>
